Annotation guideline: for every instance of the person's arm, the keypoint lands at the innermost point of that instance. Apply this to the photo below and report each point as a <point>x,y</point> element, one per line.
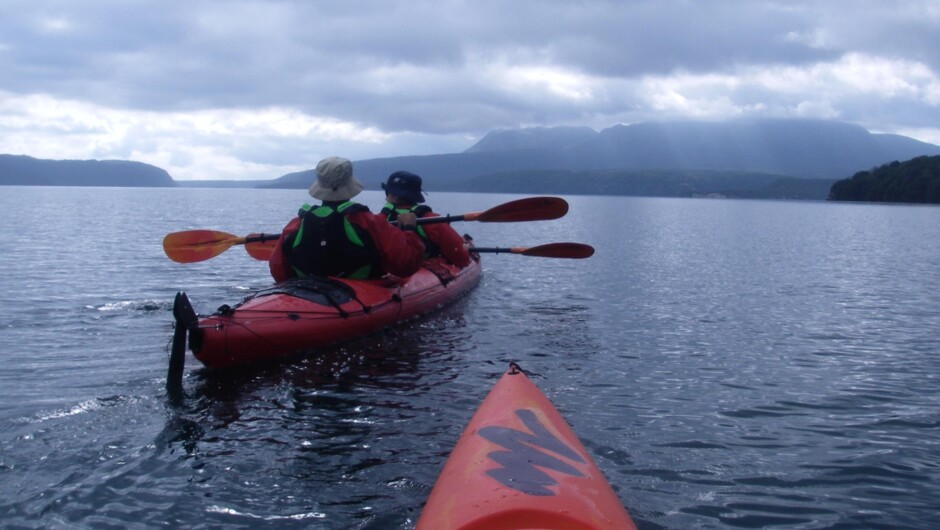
<point>400,251</point>
<point>278,264</point>
<point>451,244</point>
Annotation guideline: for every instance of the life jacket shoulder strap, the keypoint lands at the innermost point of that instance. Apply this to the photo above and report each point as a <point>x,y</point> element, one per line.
<point>391,213</point>
<point>352,207</point>
<point>324,210</point>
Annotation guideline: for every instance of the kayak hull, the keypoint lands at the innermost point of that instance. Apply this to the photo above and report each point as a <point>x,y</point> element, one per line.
<point>518,465</point>
<point>306,314</point>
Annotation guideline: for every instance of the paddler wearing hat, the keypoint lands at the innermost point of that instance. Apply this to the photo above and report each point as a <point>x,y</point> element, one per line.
<point>342,238</point>
<point>403,196</point>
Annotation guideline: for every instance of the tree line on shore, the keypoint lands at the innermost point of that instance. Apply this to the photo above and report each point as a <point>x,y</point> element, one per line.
<point>913,181</point>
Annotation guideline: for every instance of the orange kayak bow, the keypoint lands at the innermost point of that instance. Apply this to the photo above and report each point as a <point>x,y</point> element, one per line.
<point>518,465</point>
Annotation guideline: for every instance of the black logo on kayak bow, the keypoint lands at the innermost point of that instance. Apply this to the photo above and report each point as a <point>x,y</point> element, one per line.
<point>520,463</point>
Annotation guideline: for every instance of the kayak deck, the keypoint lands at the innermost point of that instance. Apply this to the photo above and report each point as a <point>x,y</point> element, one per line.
<point>518,465</point>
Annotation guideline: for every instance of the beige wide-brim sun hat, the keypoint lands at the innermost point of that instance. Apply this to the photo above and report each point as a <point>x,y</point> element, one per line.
<point>335,180</point>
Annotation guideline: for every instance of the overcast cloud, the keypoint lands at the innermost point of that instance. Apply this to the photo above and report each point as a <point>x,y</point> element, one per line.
<point>255,89</point>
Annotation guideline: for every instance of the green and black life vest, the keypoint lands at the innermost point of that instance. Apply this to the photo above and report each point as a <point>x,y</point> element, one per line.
<point>391,213</point>
<point>327,244</point>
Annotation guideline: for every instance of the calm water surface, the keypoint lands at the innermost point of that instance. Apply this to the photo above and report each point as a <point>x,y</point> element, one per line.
<point>729,364</point>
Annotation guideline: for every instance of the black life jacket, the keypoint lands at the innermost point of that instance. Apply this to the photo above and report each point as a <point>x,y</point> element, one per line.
<point>431,249</point>
<point>327,244</point>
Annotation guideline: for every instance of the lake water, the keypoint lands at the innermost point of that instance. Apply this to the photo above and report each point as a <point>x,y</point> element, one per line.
<point>728,364</point>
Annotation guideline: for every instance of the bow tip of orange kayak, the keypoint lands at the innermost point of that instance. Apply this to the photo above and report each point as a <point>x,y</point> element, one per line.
<point>518,465</point>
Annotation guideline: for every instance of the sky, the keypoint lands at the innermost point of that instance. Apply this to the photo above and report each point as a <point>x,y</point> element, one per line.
<point>255,89</point>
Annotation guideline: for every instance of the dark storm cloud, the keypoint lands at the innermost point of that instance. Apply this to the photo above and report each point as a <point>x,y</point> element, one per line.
<point>424,74</point>
<point>160,56</point>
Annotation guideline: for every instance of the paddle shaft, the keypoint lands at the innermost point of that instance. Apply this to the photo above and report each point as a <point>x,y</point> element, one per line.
<point>260,238</point>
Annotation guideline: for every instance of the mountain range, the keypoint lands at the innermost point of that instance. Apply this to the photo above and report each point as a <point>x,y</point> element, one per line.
<point>668,159</point>
<point>766,157</point>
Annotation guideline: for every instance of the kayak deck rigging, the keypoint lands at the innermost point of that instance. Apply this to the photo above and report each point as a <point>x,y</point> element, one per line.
<point>326,292</point>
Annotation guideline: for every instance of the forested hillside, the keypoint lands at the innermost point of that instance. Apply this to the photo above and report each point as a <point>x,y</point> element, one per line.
<point>914,181</point>
<point>18,170</point>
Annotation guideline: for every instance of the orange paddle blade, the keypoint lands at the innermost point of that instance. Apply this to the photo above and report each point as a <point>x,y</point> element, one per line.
<point>259,247</point>
<point>549,250</point>
<point>191,246</point>
<point>528,209</point>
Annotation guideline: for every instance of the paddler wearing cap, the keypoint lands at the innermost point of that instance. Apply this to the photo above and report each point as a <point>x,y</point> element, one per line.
<point>342,238</point>
<point>403,196</point>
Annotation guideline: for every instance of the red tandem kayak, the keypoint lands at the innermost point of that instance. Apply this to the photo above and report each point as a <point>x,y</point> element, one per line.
<point>304,314</point>
<point>518,465</point>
